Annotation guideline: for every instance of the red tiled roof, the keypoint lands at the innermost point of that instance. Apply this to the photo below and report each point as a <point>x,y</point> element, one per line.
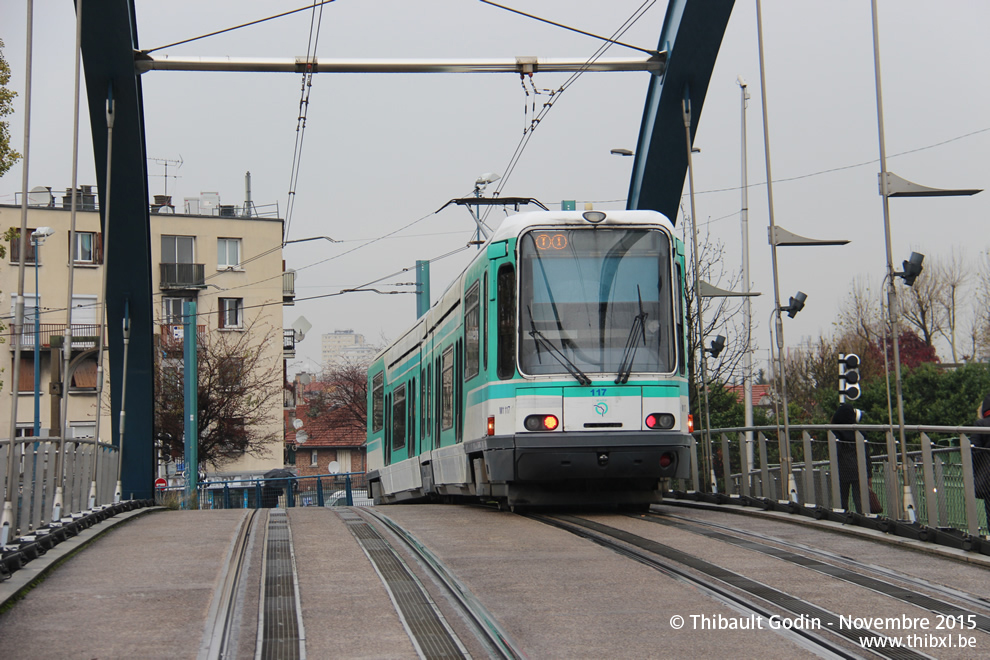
<point>326,430</point>
<point>761,394</point>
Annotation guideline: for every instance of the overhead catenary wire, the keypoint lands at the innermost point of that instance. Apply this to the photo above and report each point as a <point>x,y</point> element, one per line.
<point>316,3</point>
<point>555,96</point>
<point>307,87</point>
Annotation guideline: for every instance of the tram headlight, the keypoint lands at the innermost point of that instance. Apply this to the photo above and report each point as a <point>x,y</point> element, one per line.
<point>541,423</point>
<point>659,421</point>
<point>594,217</point>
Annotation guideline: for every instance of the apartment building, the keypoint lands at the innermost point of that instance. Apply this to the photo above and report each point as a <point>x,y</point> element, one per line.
<point>229,263</point>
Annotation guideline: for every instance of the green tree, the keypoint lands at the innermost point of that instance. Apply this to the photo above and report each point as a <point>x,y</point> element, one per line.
<point>7,155</point>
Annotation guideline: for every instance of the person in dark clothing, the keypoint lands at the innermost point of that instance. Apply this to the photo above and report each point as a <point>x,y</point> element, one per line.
<point>845,448</point>
<point>981,456</point>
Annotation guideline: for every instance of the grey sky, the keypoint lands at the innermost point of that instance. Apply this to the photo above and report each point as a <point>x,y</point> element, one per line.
<point>383,151</point>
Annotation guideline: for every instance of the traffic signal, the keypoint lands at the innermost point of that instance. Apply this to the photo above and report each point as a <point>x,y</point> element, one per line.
<point>848,377</point>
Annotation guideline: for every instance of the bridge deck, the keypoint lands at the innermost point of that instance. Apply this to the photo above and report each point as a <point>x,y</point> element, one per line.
<point>145,588</point>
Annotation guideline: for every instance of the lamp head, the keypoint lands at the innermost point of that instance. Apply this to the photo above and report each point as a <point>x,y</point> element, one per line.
<point>486,178</point>
<point>912,268</point>
<point>41,233</point>
<point>796,304</point>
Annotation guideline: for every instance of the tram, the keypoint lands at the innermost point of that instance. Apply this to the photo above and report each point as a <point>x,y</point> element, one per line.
<point>552,371</point>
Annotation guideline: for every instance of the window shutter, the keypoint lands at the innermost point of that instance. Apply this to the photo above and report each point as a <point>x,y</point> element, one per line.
<point>98,248</point>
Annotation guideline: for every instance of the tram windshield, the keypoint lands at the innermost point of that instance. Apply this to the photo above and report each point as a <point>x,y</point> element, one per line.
<point>595,300</point>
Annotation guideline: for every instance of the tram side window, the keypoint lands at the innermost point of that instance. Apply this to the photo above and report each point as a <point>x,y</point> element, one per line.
<point>472,341</point>
<point>484,315</point>
<point>399,418</point>
<point>679,298</point>
<point>377,401</point>
<point>447,390</point>
<point>506,365</point>
<point>412,417</point>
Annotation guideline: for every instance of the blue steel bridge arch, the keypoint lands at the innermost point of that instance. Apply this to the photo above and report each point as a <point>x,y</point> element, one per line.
<point>691,34</point>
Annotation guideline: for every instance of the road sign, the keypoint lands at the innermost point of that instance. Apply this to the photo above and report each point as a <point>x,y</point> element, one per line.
<point>160,482</point>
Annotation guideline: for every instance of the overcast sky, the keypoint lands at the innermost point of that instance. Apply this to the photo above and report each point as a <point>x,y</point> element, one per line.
<point>383,152</point>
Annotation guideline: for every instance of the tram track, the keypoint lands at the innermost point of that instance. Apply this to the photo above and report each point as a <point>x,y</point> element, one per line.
<point>733,588</point>
<point>844,568</point>
<point>219,629</point>
<point>484,626</point>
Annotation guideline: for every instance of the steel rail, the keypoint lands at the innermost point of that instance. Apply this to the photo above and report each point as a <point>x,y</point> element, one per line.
<point>218,631</point>
<point>843,561</point>
<point>658,556</point>
<point>487,629</point>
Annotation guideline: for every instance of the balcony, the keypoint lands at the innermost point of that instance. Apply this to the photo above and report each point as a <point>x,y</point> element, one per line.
<point>52,335</point>
<point>182,276</point>
<point>289,343</point>
<point>289,287</point>
<point>171,336</point>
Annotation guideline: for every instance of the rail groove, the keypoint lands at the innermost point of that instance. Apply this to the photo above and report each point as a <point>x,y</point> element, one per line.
<point>428,631</point>
<point>651,553</point>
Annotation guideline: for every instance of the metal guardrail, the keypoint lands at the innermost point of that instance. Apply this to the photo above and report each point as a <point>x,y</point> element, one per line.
<point>939,475</point>
<point>34,478</point>
<point>348,489</point>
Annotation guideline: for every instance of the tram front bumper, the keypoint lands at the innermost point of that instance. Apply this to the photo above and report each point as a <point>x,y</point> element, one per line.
<point>543,457</point>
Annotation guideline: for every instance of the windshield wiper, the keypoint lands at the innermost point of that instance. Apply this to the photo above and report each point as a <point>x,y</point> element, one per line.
<point>632,343</point>
<point>572,368</point>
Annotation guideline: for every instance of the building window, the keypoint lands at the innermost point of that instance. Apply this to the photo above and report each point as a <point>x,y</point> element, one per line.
<point>228,253</point>
<point>230,372</point>
<point>85,376</point>
<point>82,429</point>
<point>89,248</point>
<point>178,249</point>
<point>231,312</point>
<point>15,249</point>
<point>172,310</point>
<point>314,456</point>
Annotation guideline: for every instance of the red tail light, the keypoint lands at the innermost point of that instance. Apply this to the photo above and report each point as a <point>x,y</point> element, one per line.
<point>690,423</point>
<point>491,426</point>
<point>541,423</point>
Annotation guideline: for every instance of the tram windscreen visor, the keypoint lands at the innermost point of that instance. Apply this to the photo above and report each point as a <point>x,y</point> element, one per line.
<point>582,290</point>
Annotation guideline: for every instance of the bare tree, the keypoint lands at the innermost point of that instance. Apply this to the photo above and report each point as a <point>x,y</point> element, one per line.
<point>953,277</point>
<point>862,313</point>
<point>722,316</point>
<point>239,392</point>
<point>922,305</point>
<point>341,395</point>
<point>980,321</point>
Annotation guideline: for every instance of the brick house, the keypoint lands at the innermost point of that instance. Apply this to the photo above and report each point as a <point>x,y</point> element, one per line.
<point>326,438</point>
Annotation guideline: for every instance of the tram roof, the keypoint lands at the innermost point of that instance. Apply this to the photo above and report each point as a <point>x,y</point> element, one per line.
<point>515,224</point>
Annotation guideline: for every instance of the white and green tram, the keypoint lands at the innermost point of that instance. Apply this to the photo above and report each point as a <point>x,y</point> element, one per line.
<point>551,372</point>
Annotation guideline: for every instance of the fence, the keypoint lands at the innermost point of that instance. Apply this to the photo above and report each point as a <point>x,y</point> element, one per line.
<point>276,492</point>
<point>939,493</point>
<point>34,477</point>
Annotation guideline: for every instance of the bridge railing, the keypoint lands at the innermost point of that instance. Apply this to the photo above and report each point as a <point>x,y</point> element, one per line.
<point>940,489</point>
<point>34,477</point>
<point>348,489</point>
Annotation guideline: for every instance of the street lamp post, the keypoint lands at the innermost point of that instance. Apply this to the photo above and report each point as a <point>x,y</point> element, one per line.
<point>38,237</point>
<point>892,185</point>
